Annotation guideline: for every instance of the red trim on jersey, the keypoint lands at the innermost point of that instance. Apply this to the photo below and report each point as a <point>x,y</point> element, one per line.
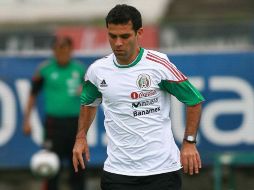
<point>167,64</point>
<point>170,69</point>
<point>177,81</point>
<point>175,71</point>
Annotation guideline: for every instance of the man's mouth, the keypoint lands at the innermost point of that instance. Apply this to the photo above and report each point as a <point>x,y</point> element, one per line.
<point>118,50</point>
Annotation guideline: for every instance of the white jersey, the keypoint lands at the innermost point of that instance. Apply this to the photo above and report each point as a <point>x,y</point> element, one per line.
<point>137,122</point>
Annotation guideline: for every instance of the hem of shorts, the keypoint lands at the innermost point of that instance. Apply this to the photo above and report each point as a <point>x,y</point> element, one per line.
<point>146,173</point>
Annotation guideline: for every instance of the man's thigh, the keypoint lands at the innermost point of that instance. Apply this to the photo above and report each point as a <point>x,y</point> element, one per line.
<point>110,181</point>
<point>165,181</point>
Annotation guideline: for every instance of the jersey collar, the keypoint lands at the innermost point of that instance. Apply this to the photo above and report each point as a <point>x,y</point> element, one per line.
<point>138,58</point>
<point>54,61</point>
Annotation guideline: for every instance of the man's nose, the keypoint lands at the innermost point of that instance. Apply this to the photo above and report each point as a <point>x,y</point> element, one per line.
<point>118,42</point>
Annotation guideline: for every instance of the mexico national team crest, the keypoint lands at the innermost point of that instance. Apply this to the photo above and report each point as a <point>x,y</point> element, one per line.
<point>143,81</point>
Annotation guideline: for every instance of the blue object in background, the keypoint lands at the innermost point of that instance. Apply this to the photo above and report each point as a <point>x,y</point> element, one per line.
<point>226,80</point>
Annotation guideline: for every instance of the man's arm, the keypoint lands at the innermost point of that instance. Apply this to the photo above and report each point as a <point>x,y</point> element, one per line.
<point>186,93</point>
<point>190,157</point>
<point>28,110</point>
<point>37,83</point>
<point>86,117</point>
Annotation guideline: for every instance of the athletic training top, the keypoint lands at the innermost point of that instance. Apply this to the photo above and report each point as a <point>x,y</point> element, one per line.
<point>136,102</point>
<point>61,87</point>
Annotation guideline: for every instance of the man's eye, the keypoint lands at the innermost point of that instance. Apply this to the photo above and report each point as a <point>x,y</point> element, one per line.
<point>112,36</point>
<point>125,36</point>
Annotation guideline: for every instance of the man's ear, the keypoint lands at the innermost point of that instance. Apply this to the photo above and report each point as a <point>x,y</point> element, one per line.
<point>140,33</point>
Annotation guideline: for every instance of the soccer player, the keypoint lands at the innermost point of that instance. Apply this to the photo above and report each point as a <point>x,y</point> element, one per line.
<point>135,85</point>
<point>61,78</point>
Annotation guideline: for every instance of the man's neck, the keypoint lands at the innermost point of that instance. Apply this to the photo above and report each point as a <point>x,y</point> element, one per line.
<point>130,59</point>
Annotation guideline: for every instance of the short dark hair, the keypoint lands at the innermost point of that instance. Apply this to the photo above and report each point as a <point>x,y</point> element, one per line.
<point>62,41</point>
<point>122,14</point>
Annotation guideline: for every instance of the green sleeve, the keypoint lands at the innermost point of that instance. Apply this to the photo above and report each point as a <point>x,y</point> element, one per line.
<point>184,91</point>
<point>89,93</point>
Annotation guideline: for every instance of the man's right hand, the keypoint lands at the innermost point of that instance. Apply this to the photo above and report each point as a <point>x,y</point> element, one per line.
<point>80,148</point>
<point>27,128</point>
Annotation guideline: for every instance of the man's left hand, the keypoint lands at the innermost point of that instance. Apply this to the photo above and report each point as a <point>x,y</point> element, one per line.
<point>190,158</point>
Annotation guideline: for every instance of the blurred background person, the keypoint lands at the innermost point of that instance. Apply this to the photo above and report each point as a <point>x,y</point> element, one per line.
<point>60,78</point>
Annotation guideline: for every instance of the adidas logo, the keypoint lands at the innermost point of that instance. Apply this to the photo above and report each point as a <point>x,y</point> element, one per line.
<point>103,83</point>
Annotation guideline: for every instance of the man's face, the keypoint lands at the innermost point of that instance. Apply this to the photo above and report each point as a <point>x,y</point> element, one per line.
<point>124,41</point>
<point>62,53</point>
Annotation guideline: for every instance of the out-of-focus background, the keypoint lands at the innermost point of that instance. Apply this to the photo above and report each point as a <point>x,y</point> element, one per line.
<point>211,41</point>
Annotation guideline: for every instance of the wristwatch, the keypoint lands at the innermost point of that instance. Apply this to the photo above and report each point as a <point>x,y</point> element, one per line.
<point>190,139</point>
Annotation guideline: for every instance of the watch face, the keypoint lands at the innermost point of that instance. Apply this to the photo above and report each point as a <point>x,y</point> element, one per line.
<point>190,138</point>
